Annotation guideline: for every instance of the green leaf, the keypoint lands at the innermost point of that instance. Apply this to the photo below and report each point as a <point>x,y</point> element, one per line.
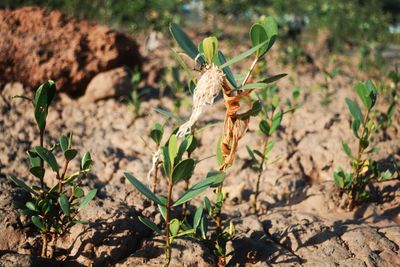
<point>78,192</point>
<point>86,162</point>
<point>185,43</point>
<point>276,121</point>
<point>354,110</point>
<point>254,111</point>
<point>34,159</point>
<point>169,114</point>
<point>37,222</point>
<point>274,78</point>
<point>70,154</point>
<point>296,92</point>
<point>47,156</point>
<point>166,161</point>
<point>142,188</point>
<point>385,176</point>
<point>258,35</point>
<point>183,171</point>
<point>162,208</point>
<point>31,206</point>
<point>179,59</point>
<point>195,190</point>
<point>64,143</point>
<point>251,86</point>
<point>193,144</point>
<point>21,184</point>
<point>37,172</point>
<point>242,55</point>
<point>251,154</point>
<point>355,125</point>
<point>172,148</point>
<point>227,71</point>
<point>275,101</point>
<point>64,204</point>
<point>89,196</point>
<point>186,232</point>
<point>44,95</point>
<point>197,217</point>
<point>150,224</point>
<point>157,133</point>
<point>210,48</point>
<point>174,226</point>
<point>264,31</point>
<point>372,92</point>
<point>207,205</point>
<point>269,147</point>
<point>264,127</point>
<point>218,176</point>
<point>204,227</point>
<point>364,143</point>
<point>339,178</point>
<point>347,150</point>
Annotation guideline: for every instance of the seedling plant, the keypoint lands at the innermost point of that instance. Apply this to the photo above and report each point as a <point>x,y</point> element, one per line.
<point>364,169</point>
<point>270,119</point>
<point>53,210</point>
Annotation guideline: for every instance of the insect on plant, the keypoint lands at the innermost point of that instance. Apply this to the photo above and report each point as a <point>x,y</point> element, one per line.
<point>53,210</point>
<point>364,170</point>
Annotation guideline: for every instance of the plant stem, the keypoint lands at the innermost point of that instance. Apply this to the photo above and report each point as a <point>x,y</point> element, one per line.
<point>186,204</point>
<point>44,240</point>
<point>356,165</point>
<point>260,171</point>
<point>54,244</point>
<point>218,222</point>
<point>250,71</point>
<point>41,160</point>
<point>61,179</point>
<point>167,222</point>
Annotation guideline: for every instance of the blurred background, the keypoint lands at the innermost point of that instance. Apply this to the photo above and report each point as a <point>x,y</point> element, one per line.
<point>351,21</point>
<point>370,28</point>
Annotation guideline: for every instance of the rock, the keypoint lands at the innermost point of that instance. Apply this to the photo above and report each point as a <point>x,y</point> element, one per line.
<point>112,83</point>
<point>38,45</point>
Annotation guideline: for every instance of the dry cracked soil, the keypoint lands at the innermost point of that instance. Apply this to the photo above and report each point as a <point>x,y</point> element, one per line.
<point>300,223</point>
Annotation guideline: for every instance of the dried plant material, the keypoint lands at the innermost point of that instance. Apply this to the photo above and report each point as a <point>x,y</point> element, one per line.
<point>234,127</point>
<point>207,88</point>
<point>154,160</point>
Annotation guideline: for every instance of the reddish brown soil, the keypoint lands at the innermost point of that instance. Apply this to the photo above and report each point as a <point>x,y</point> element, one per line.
<point>37,45</point>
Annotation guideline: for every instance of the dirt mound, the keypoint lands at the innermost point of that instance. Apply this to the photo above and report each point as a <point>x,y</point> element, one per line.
<point>37,45</point>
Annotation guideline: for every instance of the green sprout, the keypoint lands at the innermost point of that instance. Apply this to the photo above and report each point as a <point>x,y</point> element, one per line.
<point>364,169</point>
<point>176,168</point>
<point>53,210</point>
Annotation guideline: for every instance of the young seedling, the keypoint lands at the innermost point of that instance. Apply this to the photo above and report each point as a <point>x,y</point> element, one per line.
<point>325,87</point>
<point>364,170</point>
<point>217,77</point>
<point>391,92</point>
<point>176,169</point>
<point>270,119</point>
<point>136,97</point>
<point>53,210</point>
